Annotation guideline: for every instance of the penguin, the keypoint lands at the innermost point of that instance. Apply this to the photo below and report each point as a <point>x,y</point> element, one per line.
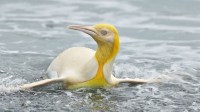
<point>81,67</point>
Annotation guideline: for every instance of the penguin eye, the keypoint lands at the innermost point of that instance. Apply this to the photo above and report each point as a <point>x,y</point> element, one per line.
<point>104,32</point>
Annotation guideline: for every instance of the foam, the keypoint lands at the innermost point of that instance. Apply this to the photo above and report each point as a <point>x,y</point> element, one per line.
<point>10,84</point>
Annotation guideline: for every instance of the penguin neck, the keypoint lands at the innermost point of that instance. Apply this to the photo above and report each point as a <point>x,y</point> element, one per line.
<point>105,57</point>
<point>105,53</point>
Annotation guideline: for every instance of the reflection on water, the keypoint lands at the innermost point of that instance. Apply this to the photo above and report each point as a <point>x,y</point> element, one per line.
<point>159,39</point>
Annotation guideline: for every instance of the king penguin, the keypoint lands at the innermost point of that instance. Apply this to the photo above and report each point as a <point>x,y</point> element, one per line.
<point>81,67</point>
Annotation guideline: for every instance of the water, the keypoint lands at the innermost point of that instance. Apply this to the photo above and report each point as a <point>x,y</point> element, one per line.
<point>159,39</point>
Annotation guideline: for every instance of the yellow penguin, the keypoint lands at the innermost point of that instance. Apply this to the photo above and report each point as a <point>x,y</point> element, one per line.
<point>79,67</point>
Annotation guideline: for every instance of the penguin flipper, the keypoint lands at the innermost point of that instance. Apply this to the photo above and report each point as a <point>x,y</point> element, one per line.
<point>41,83</point>
<point>137,81</point>
<point>133,81</point>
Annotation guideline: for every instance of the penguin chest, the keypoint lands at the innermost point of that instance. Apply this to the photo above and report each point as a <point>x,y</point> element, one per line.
<point>97,81</point>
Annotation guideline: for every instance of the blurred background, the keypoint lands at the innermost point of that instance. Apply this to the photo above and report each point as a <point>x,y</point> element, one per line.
<point>159,39</point>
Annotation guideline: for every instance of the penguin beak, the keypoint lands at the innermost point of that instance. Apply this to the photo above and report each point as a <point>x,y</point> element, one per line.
<point>90,30</point>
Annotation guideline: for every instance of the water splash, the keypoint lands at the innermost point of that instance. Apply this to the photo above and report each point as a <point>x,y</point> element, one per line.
<point>8,89</point>
<point>9,84</point>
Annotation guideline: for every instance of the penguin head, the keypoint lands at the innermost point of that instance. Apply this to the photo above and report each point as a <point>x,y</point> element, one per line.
<point>102,33</point>
<point>106,36</point>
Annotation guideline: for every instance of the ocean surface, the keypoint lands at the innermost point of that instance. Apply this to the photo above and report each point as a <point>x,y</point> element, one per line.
<point>160,39</point>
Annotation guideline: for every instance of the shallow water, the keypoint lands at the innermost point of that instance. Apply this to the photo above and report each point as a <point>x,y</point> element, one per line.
<point>159,39</point>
